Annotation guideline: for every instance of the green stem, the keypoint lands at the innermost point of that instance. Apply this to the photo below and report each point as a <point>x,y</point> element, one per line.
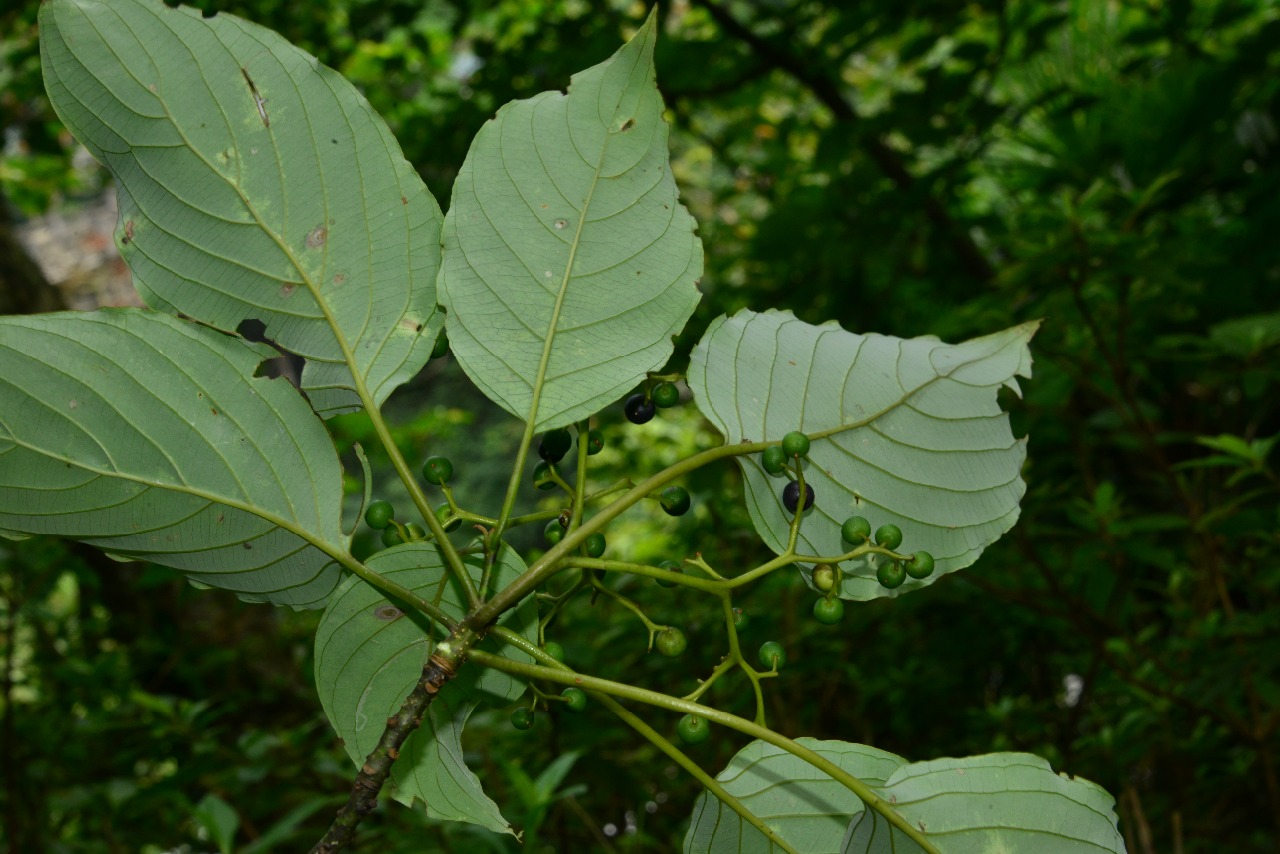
<point>386,585</point>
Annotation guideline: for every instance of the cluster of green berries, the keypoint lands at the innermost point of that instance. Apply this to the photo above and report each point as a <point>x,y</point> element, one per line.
<point>641,406</point>
<point>857,530</point>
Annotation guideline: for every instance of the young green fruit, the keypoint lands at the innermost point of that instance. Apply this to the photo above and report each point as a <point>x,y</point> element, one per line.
<point>522,718</point>
<point>554,650</point>
<point>774,459</point>
<point>671,642</point>
<point>415,532</point>
<point>595,442</point>
<point>855,530</point>
<point>666,395</point>
<point>740,619</point>
<point>639,409</point>
<point>542,475</point>
<point>791,496</point>
<point>675,500</point>
<point>891,574</point>
<point>920,565</point>
<point>441,346</point>
<point>437,470</point>
<point>772,655</point>
<point>574,698</point>
<point>824,577</point>
<point>795,444</point>
<point>555,444</point>
<point>391,536</point>
<point>379,515</point>
<point>670,566</point>
<point>828,611</point>
<point>443,515</point>
<point>594,545</point>
<point>553,532</point>
<point>889,536</point>
<point>693,729</point>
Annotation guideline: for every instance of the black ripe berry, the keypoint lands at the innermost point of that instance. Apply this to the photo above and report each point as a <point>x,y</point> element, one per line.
<point>639,409</point>
<point>554,445</point>
<point>791,496</point>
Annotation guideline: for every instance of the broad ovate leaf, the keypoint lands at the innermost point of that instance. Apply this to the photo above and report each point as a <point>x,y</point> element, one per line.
<point>149,437</point>
<point>905,431</point>
<point>807,808</point>
<point>995,803</point>
<point>569,262</point>
<point>370,654</point>
<point>254,183</point>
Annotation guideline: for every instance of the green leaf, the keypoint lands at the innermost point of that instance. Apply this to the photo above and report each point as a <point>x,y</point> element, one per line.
<point>369,655</point>
<point>253,183</point>
<point>149,437</point>
<point>220,821</point>
<point>806,807</point>
<point>907,432</point>
<point>568,260</point>
<point>995,803</point>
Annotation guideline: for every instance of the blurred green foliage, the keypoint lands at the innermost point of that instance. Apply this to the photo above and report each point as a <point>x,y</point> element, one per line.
<point>925,168</point>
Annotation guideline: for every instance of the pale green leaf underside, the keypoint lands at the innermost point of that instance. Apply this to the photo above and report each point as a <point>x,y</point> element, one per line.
<point>286,200</point>
<point>565,236</point>
<point>149,437</point>
<point>1001,803</point>
<point>369,655</point>
<point>803,805</point>
<point>917,437</point>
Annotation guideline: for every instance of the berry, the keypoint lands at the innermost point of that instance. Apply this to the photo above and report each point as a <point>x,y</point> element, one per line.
<point>437,470</point>
<point>774,459</point>
<point>542,475</point>
<point>891,574</point>
<point>391,536</point>
<point>379,515</point>
<point>671,566</point>
<point>791,496</point>
<point>594,545</point>
<point>415,531</point>
<point>772,655</point>
<point>443,515</point>
<point>522,718</point>
<point>672,643</point>
<point>555,444</point>
<point>795,444</point>
<point>855,530</point>
<point>828,611</point>
<point>675,500</point>
<point>824,577</point>
<point>441,346</point>
<point>693,729</point>
<point>666,394</point>
<point>639,409</point>
<point>575,699</point>
<point>554,650</point>
<point>595,442</point>
<point>553,532</point>
<point>740,619</point>
<point>889,536</point>
<point>920,565</point>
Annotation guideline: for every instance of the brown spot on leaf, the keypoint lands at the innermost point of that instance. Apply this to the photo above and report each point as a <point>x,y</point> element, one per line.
<point>627,125</point>
<point>287,289</point>
<point>387,612</point>
<point>403,200</point>
<point>339,278</point>
<point>214,411</point>
<point>317,236</point>
<point>410,324</point>
<point>128,232</point>
<point>247,546</point>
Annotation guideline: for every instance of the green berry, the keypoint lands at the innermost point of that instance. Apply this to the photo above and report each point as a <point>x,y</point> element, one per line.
<point>542,475</point>
<point>437,470</point>
<point>666,395</point>
<point>522,718</point>
<point>889,536</point>
<point>891,574</point>
<point>639,409</point>
<point>774,459</point>
<point>391,536</point>
<point>555,444</point>
<point>444,513</point>
<point>441,346</point>
<point>575,699</point>
<point>855,530</point>
<point>553,532</point>
<point>693,729</point>
<point>554,650</point>
<point>671,566</point>
<point>772,655</point>
<point>795,444</point>
<point>828,611</point>
<point>824,577</point>
<point>594,545</point>
<point>672,643</point>
<point>920,565</point>
<point>675,500</point>
<point>415,531</point>
<point>791,496</point>
<point>595,442</point>
<point>379,515</point>
<point>740,619</point>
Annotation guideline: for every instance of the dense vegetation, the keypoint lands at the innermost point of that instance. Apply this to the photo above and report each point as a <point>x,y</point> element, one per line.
<point>949,170</point>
